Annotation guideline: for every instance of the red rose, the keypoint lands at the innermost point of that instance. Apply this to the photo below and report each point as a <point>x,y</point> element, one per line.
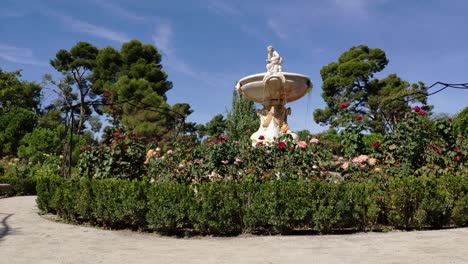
<point>457,159</point>
<point>222,137</point>
<point>422,112</point>
<point>261,137</point>
<point>344,105</point>
<point>376,144</point>
<point>281,145</point>
<point>417,109</point>
<point>426,126</point>
<point>358,118</point>
<point>117,133</point>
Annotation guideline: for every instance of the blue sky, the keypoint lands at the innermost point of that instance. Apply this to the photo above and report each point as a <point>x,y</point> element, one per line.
<point>208,45</point>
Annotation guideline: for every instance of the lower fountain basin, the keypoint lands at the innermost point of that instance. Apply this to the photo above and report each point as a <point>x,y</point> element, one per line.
<point>255,88</point>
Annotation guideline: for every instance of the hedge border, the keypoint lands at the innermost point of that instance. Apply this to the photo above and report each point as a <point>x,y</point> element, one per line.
<point>228,208</point>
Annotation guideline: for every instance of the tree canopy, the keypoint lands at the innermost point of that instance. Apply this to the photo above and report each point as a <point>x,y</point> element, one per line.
<point>17,93</point>
<point>351,80</point>
<point>242,120</point>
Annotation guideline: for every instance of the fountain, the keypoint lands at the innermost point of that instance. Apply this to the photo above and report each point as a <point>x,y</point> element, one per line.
<point>273,89</point>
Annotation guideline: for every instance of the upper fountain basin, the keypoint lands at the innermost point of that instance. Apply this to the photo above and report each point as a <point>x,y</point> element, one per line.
<point>284,87</point>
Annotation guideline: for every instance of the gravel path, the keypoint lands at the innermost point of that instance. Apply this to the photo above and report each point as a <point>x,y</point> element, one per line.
<point>26,237</point>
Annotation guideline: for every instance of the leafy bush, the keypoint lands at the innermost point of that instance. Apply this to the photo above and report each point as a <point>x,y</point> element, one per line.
<point>121,157</point>
<point>280,206</point>
<point>169,206</point>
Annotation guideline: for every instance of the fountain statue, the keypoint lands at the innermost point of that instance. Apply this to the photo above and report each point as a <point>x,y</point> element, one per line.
<point>273,89</point>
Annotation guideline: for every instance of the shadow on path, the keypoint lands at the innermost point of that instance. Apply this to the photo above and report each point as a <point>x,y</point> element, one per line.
<point>5,228</point>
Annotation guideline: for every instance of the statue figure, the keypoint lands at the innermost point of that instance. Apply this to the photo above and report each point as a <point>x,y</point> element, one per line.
<point>274,61</point>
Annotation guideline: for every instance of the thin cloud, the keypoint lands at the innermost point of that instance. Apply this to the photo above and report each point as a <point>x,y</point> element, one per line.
<point>94,30</point>
<point>162,38</point>
<point>17,55</point>
<point>119,11</point>
<point>223,8</point>
<point>276,28</point>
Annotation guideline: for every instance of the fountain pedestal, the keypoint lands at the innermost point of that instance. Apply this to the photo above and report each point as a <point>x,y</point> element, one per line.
<point>273,91</point>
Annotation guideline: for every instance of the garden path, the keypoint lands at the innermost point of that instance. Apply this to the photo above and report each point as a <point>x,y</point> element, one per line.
<point>26,237</point>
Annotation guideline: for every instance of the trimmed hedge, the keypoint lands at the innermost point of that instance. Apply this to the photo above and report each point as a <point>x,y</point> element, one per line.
<point>19,186</point>
<point>229,208</point>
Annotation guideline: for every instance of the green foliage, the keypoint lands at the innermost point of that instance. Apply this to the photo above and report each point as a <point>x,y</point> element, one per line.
<point>242,120</point>
<point>14,124</point>
<point>169,207</point>
<point>76,89</point>
<point>17,93</point>
<point>351,79</point>
<point>119,205</point>
<point>460,123</point>
<point>121,157</point>
<point>39,142</point>
<point>22,176</point>
<point>425,201</point>
<point>135,75</point>
<point>217,209</point>
<point>229,208</point>
<point>216,126</point>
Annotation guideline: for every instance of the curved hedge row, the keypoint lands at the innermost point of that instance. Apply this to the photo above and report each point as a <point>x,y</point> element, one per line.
<point>228,208</point>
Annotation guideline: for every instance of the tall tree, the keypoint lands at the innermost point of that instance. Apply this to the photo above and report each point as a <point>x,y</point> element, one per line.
<point>351,80</point>
<point>216,126</point>
<point>134,75</point>
<point>242,120</point>
<point>19,107</point>
<point>75,89</point>
<point>17,93</point>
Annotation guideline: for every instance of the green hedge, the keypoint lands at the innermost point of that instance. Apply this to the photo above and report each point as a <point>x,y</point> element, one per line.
<point>19,186</point>
<point>230,208</point>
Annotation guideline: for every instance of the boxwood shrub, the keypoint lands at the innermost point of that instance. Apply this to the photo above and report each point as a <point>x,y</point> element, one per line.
<point>277,206</point>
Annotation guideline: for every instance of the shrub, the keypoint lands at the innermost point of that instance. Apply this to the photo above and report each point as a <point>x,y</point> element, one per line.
<point>217,209</point>
<point>169,205</point>
<point>279,206</point>
<point>122,157</point>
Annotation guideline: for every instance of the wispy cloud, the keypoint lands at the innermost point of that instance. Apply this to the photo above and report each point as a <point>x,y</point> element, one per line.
<point>88,28</point>
<point>163,39</point>
<point>358,8</point>
<point>276,28</point>
<point>222,8</point>
<point>94,30</point>
<point>17,55</point>
<point>119,11</point>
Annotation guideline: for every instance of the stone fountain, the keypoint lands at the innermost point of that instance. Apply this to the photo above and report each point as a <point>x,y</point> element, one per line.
<point>273,89</point>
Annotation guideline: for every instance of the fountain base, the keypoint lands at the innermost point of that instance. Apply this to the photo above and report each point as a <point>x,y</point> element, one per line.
<point>273,91</point>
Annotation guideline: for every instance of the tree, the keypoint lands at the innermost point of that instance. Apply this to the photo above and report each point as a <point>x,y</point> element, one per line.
<point>17,93</point>
<point>216,126</point>
<point>39,142</point>
<point>14,124</point>
<point>19,106</point>
<point>134,84</point>
<point>75,89</point>
<point>242,120</point>
<point>351,80</point>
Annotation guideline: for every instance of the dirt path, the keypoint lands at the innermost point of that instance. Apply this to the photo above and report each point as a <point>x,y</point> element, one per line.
<point>26,237</point>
